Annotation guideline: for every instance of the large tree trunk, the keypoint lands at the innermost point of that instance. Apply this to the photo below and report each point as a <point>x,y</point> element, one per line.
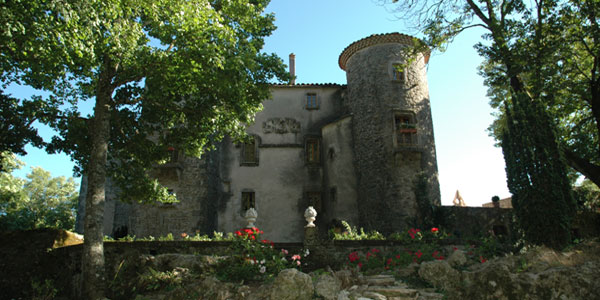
<point>92,261</point>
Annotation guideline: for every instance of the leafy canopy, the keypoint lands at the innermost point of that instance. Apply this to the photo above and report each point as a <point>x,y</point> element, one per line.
<point>180,74</point>
<point>40,201</point>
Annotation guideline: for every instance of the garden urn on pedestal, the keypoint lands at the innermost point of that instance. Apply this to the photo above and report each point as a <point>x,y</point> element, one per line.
<point>250,217</point>
<point>310,214</point>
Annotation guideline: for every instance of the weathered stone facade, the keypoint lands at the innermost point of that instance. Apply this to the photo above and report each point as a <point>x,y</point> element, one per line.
<point>352,151</point>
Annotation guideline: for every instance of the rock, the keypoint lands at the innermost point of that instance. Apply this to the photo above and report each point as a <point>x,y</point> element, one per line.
<point>457,258</point>
<point>343,295</point>
<point>408,270</point>
<point>327,286</point>
<point>379,280</point>
<point>345,277</point>
<point>393,291</point>
<point>430,296</point>
<point>292,284</point>
<point>374,296</point>
<point>439,274</point>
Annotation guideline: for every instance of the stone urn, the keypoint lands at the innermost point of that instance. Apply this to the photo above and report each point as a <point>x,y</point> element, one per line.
<point>310,214</point>
<point>250,217</point>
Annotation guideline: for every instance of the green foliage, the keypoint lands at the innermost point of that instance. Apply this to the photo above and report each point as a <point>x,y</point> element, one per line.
<point>38,202</point>
<point>16,125</point>
<point>536,175</point>
<point>43,290</point>
<point>153,280</point>
<point>587,196</point>
<point>253,259</point>
<point>354,234</point>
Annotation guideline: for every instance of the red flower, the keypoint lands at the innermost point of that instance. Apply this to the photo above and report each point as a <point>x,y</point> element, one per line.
<point>418,254</point>
<point>353,256</point>
<point>374,250</point>
<point>440,257</point>
<point>389,261</point>
<point>434,230</point>
<point>360,265</point>
<point>435,253</point>
<point>481,259</point>
<point>238,233</point>
<point>454,248</point>
<point>398,256</point>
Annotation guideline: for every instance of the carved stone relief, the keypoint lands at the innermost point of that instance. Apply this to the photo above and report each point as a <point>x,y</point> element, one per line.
<point>280,125</point>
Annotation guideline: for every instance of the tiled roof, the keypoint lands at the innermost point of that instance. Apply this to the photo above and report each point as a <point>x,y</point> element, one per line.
<point>305,85</point>
<point>375,39</point>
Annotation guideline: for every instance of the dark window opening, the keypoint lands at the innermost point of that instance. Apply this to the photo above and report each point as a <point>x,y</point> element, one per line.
<point>312,150</point>
<point>248,201</point>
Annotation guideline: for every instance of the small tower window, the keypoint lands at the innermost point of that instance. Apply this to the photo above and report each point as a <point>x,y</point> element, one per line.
<point>311,101</point>
<point>248,201</point>
<point>312,151</point>
<point>397,73</point>
<point>406,130</point>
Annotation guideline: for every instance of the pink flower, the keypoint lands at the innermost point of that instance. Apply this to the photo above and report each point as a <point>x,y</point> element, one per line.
<point>296,257</point>
<point>298,262</point>
<point>285,252</point>
<point>184,235</point>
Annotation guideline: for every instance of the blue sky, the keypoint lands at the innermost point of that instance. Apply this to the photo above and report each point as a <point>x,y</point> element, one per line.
<point>318,30</point>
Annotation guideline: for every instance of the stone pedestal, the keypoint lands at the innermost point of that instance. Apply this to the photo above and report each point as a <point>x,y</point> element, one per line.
<point>311,237</point>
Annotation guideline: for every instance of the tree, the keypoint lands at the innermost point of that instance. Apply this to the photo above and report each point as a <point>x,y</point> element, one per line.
<point>519,52</point>
<point>40,202</point>
<point>162,74</point>
<point>16,121</point>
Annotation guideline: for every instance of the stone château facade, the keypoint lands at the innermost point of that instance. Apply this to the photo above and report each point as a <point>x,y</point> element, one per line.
<point>351,151</point>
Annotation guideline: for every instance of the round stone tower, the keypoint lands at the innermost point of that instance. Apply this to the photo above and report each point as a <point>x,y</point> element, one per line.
<point>392,131</point>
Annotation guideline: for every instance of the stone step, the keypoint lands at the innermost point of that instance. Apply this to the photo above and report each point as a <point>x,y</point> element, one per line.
<point>380,280</point>
<point>394,291</point>
<point>430,296</point>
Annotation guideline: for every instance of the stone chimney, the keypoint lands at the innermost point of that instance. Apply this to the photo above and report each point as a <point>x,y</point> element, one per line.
<point>292,68</point>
